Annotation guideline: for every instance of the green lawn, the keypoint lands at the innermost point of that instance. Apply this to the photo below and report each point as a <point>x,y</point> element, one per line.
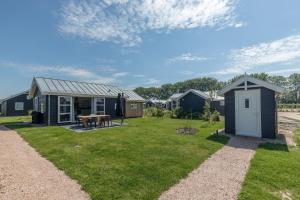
<point>12,120</point>
<point>274,173</point>
<point>138,161</point>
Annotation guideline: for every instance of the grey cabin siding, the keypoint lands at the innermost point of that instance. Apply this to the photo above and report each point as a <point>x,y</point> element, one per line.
<point>9,106</point>
<point>230,112</point>
<point>192,103</point>
<point>268,113</point>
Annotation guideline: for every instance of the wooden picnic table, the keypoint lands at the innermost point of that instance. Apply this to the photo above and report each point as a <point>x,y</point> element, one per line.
<point>100,119</point>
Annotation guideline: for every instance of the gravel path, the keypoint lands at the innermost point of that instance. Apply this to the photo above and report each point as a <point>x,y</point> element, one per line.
<point>25,175</point>
<point>220,177</point>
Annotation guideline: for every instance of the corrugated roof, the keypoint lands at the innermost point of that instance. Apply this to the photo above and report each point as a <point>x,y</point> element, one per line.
<point>132,96</point>
<point>12,96</point>
<point>50,86</point>
<point>205,95</point>
<point>176,95</point>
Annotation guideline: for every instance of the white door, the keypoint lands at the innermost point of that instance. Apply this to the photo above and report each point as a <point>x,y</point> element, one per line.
<point>248,113</point>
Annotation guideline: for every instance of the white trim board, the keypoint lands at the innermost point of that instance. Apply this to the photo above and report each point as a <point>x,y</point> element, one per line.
<point>257,82</point>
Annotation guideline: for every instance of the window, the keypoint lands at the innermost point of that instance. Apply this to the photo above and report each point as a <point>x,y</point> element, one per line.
<point>19,106</point>
<point>247,103</point>
<point>36,104</point>
<point>100,105</point>
<point>133,106</point>
<point>64,109</point>
<point>222,103</point>
<point>42,107</point>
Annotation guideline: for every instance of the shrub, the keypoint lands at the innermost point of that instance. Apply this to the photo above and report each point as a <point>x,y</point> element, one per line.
<point>207,113</point>
<point>156,112</point>
<point>168,113</point>
<point>215,116</point>
<point>179,113</point>
<point>148,112</point>
<point>159,113</point>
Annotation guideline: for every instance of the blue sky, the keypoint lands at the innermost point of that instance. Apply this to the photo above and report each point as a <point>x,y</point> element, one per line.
<point>145,43</point>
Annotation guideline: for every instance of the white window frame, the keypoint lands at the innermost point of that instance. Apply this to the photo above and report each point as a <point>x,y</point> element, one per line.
<point>95,105</point>
<point>71,109</point>
<point>19,106</point>
<point>36,104</point>
<point>222,103</point>
<point>133,106</point>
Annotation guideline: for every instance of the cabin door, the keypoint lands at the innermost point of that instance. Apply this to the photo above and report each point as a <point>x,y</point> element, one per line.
<point>248,112</point>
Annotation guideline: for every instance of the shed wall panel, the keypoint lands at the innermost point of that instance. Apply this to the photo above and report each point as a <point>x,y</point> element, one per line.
<point>268,113</point>
<point>230,112</point>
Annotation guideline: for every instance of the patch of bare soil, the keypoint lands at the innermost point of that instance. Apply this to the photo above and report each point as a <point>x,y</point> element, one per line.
<point>287,123</point>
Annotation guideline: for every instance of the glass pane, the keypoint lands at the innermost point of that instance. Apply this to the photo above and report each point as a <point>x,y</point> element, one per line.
<point>246,103</point>
<point>65,109</point>
<point>65,118</point>
<point>100,108</point>
<point>65,100</point>
<point>100,101</point>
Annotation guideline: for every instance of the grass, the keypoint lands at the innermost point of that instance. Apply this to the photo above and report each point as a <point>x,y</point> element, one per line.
<point>138,161</point>
<point>13,120</point>
<point>274,173</point>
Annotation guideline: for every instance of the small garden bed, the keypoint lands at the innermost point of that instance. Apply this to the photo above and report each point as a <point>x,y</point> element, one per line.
<point>187,131</point>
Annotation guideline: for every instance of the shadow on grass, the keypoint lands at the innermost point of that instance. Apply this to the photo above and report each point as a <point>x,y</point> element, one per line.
<point>222,139</point>
<point>274,147</point>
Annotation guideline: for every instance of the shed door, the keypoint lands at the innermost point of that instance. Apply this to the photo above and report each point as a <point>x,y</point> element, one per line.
<point>248,113</point>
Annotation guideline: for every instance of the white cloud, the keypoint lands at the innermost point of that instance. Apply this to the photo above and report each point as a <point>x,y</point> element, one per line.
<point>186,57</point>
<point>68,71</point>
<point>122,21</point>
<point>152,81</point>
<point>120,74</point>
<point>138,75</point>
<point>106,69</point>
<point>285,71</point>
<point>279,51</point>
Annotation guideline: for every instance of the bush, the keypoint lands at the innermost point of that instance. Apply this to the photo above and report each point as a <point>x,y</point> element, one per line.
<point>207,113</point>
<point>179,113</point>
<point>159,113</point>
<point>215,116</point>
<point>156,112</point>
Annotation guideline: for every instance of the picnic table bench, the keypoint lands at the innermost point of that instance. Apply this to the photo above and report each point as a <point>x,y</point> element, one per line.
<point>97,119</point>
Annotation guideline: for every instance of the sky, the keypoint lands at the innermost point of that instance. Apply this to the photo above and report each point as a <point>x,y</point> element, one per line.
<point>132,43</point>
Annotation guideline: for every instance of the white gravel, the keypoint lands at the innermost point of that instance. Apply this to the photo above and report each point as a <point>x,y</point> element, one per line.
<point>220,177</point>
<point>25,175</point>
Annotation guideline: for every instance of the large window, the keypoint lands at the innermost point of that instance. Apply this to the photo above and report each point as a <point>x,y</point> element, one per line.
<point>133,106</point>
<point>19,106</point>
<point>64,109</point>
<point>100,105</point>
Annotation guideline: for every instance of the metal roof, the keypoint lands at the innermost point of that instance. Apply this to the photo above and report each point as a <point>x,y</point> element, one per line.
<point>50,86</point>
<point>13,96</point>
<point>205,95</point>
<point>132,96</point>
<point>175,96</point>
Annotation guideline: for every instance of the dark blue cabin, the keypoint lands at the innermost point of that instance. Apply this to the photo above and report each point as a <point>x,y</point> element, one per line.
<point>61,101</point>
<point>16,105</point>
<point>194,101</point>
